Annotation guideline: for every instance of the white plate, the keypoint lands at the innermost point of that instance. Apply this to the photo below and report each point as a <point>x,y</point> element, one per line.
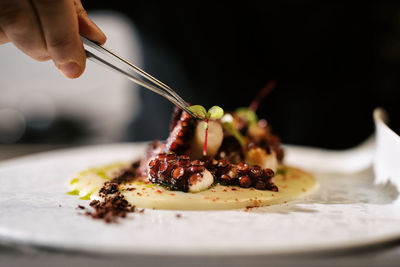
<point>348,210</point>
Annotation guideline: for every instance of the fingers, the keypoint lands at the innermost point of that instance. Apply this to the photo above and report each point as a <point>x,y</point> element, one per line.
<point>45,29</point>
<point>59,23</point>
<point>19,24</point>
<point>87,27</point>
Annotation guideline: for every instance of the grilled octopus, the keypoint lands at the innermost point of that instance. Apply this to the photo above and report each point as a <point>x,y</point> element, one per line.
<point>178,165</point>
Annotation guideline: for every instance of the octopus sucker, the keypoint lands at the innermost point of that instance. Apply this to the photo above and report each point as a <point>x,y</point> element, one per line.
<point>180,134</point>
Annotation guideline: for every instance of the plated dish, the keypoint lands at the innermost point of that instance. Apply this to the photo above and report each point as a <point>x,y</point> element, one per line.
<point>226,161</point>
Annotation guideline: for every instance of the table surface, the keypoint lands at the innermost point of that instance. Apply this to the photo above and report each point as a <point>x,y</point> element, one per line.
<point>387,254</point>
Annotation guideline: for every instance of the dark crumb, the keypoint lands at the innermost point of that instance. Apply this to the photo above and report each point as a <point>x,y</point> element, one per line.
<point>248,208</point>
<point>126,175</point>
<point>113,205</point>
<point>141,211</point>
<point>59,206</point>
<point>178,215</point>
<point>109,188</point>
<point>94,203</point>
<point>111,208</point>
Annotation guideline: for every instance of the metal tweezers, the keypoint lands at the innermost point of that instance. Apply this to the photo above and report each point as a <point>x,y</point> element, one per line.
<point>103,56</point>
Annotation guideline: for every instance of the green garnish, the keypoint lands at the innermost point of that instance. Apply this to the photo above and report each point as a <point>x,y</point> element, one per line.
<point>74,192</point>
<point>74,181</point>
<point>214,113</point>
<point>199,111</point>
<point>247,114</point>
<point>87,196</point>
<point>102,174</point>
<point>227,123</point>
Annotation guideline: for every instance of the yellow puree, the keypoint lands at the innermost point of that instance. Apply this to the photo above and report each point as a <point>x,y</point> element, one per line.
<point>293,183</point>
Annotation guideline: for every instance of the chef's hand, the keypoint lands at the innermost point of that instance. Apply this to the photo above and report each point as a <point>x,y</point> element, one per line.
<point>49,29</point>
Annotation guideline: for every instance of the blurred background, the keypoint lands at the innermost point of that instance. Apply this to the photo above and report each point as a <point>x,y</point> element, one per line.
<point>333,64</point>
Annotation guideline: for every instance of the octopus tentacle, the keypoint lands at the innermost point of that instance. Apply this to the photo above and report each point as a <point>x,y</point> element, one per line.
<point>178,172</point>
<point>242,174</point>
<point>178,140</point>
<point>173,171</point>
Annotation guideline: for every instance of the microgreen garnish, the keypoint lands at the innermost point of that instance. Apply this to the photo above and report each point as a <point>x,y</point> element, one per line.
<point>214,113</point>
<point>199,111</point>
<point>227,123</point>
<point>247,114</point>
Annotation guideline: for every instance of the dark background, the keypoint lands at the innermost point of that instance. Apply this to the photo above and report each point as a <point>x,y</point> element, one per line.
<point>333,63</point>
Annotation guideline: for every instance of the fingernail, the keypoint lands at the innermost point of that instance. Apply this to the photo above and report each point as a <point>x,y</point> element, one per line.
<point>94,25</point>
<point>99,31</point>
<point>102,37</point>
<point>71,69</point>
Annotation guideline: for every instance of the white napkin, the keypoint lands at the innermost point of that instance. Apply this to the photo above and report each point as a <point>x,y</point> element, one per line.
<point>387,150</point>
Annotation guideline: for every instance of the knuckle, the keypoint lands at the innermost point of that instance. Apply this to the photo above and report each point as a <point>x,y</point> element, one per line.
<point>59,42</point>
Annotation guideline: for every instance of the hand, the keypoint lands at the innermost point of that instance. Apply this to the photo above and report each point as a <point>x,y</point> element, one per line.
<point>49,29</point>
